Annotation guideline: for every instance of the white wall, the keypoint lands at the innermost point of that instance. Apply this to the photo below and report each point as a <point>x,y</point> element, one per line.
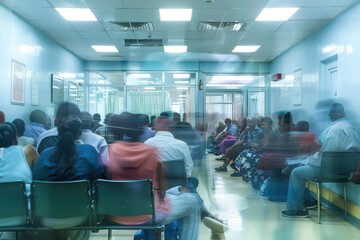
<point>41,57</point>
<point>344,33</point>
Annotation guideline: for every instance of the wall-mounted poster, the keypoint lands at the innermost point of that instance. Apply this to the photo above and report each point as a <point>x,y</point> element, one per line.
<point>57,89</point>
<point>18,82</point>
<point>297,90</point>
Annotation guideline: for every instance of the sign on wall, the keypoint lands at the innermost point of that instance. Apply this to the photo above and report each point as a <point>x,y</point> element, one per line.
<point>18,82</point>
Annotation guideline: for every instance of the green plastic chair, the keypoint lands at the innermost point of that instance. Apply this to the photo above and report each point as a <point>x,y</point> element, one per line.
<point>174,172</point>
<point>336,167</point>
<point>61,205</point>
<point>125,199</point>
<point>14,213</point>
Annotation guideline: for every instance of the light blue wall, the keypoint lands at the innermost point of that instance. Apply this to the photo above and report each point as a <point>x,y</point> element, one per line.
<point>21,42</point>
<point>308,55</point>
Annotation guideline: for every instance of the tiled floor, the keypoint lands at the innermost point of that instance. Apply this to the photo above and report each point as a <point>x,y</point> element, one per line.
<point>252,217</point>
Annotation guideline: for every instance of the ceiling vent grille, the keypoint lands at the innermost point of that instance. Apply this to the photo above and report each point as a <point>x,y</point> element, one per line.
<point>227,26</point>
<point>136,26</point>
<point>144,43</point>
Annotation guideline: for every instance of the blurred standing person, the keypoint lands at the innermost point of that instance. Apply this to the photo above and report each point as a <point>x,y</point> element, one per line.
<point>2,117</point>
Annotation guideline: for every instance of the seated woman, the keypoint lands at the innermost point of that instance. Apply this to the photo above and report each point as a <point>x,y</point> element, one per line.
<point>16,161</point>
<point>134,160</point>
<point>68,160</point>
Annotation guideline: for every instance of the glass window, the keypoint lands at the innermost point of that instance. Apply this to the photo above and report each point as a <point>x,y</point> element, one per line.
<point>143,78</point>
<point>180,79</point>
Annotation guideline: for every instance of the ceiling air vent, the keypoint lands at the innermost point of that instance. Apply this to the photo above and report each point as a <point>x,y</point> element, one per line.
<point>144,43</point>
<point>136,26</point>
<point>228,26</point>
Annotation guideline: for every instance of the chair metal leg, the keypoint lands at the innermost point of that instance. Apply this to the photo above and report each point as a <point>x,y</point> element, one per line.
<point>319,201</point>
<point>109,234</point>
<point>345,202</point>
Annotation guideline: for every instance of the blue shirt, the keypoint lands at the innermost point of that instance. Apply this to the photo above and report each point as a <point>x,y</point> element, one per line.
<point>87,165</point>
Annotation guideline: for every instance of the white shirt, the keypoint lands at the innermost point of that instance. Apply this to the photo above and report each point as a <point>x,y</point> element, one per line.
<point>171,148</point>
<point>339,136</point>
<point>98,142</point>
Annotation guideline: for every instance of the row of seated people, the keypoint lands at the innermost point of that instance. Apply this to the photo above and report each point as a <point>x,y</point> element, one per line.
<point>65,157</point>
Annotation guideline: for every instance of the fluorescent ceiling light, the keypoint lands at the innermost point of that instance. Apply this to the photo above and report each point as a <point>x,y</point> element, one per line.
<point>276,14</point>
<point>149,88</point>
<point>246,49</point>
<point>107,49</point>
<point>175,49</point>
<point>175,14</point>
<point>181,88</point>
<point>181,75</point>
<point>76,14</point>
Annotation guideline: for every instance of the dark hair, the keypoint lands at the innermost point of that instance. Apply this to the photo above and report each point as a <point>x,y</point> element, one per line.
<point>96,117</point>
<point>302,126</point>
<point>7,135</point>
<point>38,116</point>
<point>20,126</point>
<point>65,110</point>
<point>65,150</point>
<point>266,120</point>
<point>87,120</point>
<point>128,124</point>
<point>107,118</point>
<point>227,121</point>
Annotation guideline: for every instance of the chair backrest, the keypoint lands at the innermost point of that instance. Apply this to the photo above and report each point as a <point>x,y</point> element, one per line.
<point>175,174</point>
<point>338,165</point>
<point>124,198</point>
<point>13,204</point>
<point>60,201</point>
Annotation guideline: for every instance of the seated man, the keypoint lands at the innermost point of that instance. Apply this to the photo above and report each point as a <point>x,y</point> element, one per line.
<point>339,136</point>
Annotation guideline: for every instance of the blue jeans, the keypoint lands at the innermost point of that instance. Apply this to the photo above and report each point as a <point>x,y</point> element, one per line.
<point>297,185</point>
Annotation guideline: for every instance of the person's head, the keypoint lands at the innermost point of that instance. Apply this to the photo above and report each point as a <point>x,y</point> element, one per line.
<point>107,118</point>
<point>87,120</point>
<point>65,110</point>
<point>39,116</point>
<point>287,124</point>
<point>128,124</point>
<point>227,121</point>
<point>20,126</point>
<point>176,117</point>
<point>96,117</point>
<point>221,123</point>
<point>7,135</point>
<point>266,124</point>
<point>336,112</point>
<point>251,122</point>
<point>144,119</point>
<point>2,117</point>
<point>302,126</point>
<point>163,123</point>
<point>65,152</point>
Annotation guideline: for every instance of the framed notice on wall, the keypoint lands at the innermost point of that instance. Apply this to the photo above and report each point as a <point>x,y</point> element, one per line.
<point>297,90</point>
<point>18,82</point>
<point>57,89</point>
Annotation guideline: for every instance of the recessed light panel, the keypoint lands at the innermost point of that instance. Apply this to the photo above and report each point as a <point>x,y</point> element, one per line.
<point>246,49</point>
<point>276,14</point>
<point>76,14</point>
<point>175,14</point>
<point>105,49</point>
<point>175,49</point>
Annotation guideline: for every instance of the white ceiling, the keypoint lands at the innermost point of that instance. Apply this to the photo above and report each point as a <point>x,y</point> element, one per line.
<point>274,37</point>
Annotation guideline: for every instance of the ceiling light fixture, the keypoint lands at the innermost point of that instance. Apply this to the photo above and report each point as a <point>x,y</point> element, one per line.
<point>175,14</point>
<point>246,49</point>
<point>76,14</point>
<point>175,49</point>
<point>105,49</point>
<point>276,14</point>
